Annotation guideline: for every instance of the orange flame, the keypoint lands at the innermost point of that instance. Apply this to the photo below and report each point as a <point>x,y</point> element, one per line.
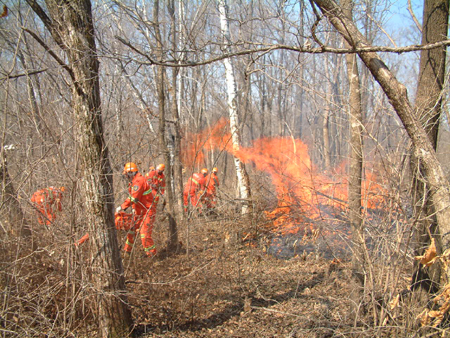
<point>302,192</point>
<point>196,144</point>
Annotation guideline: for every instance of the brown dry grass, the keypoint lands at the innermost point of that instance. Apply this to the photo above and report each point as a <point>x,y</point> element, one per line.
<point>217,285</point>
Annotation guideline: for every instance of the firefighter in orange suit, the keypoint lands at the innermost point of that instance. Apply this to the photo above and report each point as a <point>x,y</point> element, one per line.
<point>150,170</point>
<point>141,200</point>
<point>47,201</point>
<point>157,181</point>
<point>212,183</point>
<point>194,189</point>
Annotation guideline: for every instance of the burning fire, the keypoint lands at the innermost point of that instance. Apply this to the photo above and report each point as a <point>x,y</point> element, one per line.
<point>196,144</point>
<point>304,195</point>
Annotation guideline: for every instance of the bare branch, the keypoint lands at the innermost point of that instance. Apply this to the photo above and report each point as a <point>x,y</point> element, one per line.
<point>127,43</point>
<point>419,26</point>
<point>23,74</point>
<point>382,29</point>
<point>270,48</point>
<point>46,20</point>
<point>52,53</point>
<point>315,25</point>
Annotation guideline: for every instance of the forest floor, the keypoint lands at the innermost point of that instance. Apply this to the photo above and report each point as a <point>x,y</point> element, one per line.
<point>231,277</point>
<point>220,285</point>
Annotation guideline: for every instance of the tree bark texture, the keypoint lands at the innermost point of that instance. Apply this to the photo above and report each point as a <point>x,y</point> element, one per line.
<point>242,176</point>
<point>160,79</point>
<point>70,24</point>
<point>397,94</point>
<point>428,107</point>
<point>176,108</point>
<point>432,66</point>
<point>356,161</point>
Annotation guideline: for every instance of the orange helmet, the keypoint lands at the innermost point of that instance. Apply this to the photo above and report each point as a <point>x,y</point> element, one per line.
<point>215,170</point>
<point>151,168</point>
<point>130,167</point>
<point>161,167</point>
<point>62,189</point>
<point>204,171</point>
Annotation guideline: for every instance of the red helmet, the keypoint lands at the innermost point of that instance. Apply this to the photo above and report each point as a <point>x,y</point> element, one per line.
<point>130,167</point>
<point>161,167</point>
<point>204,171</point>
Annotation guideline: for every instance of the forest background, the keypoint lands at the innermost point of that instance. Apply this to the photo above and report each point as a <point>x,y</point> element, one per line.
<point>163,96</point>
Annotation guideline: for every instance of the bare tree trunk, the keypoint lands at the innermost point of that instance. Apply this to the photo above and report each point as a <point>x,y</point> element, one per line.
<point>160,79</point>
<point>263,102</point>
<point>242,176</point>
<point>37,119</point>
<point>326,118</point>
<point>397,94</point>
<point>176,108</point>
<point>71,25</point>
<point>356,165</point>
<point>338,136</point>
<point>428,109</point>
<point>281,88</point>
<point>11,214</point>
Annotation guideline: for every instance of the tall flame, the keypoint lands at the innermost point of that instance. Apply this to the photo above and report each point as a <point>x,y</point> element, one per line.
<point>302,192</point>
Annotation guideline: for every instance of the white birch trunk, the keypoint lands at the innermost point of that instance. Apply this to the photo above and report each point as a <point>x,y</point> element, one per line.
<point>243,187</point>
<point>182,54</point>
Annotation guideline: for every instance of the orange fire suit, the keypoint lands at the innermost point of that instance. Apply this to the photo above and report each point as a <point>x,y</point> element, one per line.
<point>141,200</point>
<point>47,201</point>
<point>157,182</point>
<point>193,190</point>
<point>212,183</point>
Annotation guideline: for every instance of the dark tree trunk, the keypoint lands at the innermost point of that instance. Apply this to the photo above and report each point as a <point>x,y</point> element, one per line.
<point>178,168</point>
<point>428,109</point>
<point>70,24</point>
<point>160,78</point>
